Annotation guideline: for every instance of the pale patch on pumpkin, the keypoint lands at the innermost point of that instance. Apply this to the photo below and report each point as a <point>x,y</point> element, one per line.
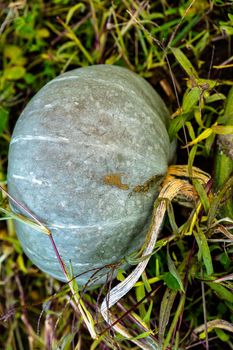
<point>38,110</point>
<point>49,105</point>
<point>61,79</point>
<point>31,252</point>
<point>30,179</point>
<point>56,139</point>
<point>71,77</point>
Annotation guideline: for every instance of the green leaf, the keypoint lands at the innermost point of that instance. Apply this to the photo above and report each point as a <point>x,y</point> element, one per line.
<point>140,294</point>
<point>172,269</point>
<point>71,35</point>
<point>165,311</point>
<point>14,54</point>
<point>119,337</point>
<point>225,260</point>
<point>175,320</point>
<point>228,113</point>
<point>221,334</point>
<point>184,62</point>
<point>202,194</point>
<point>215,97</point>
<point>191,99</point>
<point>146,282</point>
<point>211,84</point>
<point>190,130</point>
<point>120,275</point>
<point>29,78</point>
<point>3,119</point>
<point>204,252</point>
<point>12,51</point>
<point>177,123</point>
<point>65,342</point>
<point>171,281</point>
<point>21,264</point>
<point>227,29</point>
<point>223,166</point>
<point>216,202</point>
<point>182,33</point>
<point>230,16</point>
<point>42,33</point>
<point>147,316</point>
<point>222,129</point>
<point>221,291</point>
<point>72,10</point>
<point>192,156</point>
<point>14,73</point>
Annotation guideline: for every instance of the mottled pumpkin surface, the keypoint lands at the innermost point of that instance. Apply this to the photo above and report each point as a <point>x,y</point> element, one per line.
<point>79,149</point>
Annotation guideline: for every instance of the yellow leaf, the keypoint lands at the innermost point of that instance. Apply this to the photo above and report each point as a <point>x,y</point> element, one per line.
<point>42,33</point>
<point>197,115</point>
<point>21,264</point>
<point>222,129</point>
<point>223,66</point>
<point>72,10</point>
<point>12,51</point>
<point>206,133</point>
<point>14,73</point>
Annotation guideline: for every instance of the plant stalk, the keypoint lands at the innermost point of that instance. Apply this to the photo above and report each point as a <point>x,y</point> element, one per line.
<point>223,161</point>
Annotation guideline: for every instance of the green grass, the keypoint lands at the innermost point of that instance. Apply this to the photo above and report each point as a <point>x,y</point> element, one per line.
<point>184,49</point>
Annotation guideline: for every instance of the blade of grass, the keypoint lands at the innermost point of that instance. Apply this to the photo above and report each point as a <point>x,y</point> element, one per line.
<point>182,34</point>
<point>221,291</point>
<point>71,35</point>
<point>223,164</point>
<point>216,202</point>
<point>172,269</point>
<point>202,194</point>
<point>191,99</point>
<point>175,320</point>
<point>204,251</point>
<point>184,62</point>
<point>165,312</point>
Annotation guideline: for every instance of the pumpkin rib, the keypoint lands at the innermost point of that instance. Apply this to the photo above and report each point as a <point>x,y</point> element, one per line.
<point>114,148</point>
<point>98,81</point>
<point>30,179</point>
<point>153,109</point>
<point>39,138</point>
<point>60,139</point>
<point>97,225</point>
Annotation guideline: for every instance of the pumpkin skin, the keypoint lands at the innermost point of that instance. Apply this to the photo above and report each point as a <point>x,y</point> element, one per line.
<point>81,146</point>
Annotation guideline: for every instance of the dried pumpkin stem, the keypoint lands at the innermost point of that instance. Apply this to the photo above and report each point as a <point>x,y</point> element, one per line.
<point>170,190</point>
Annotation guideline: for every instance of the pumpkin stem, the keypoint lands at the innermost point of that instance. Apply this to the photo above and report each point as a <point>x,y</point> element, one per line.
<point>173,186</point>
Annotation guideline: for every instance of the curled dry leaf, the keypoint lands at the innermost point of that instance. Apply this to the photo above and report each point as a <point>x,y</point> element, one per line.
<point>172,186</point>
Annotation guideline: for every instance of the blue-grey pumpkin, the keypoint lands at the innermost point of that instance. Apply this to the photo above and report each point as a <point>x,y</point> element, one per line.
<point>81,158</point>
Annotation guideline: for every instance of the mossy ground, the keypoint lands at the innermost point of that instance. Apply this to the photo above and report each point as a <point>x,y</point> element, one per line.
<point>184,49</point>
